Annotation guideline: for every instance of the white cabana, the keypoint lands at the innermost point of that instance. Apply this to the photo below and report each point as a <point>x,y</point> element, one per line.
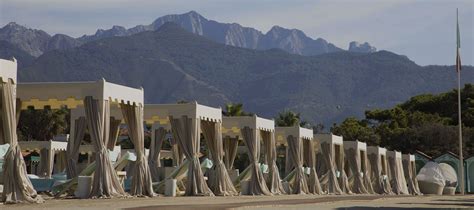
<point>92,103</point>
<point>48,150</point>
<point>409,168</point>
<point>294,138</point>
<point>186,122</point>
<point>377,157</point>
<point>253,131</point>
<point>396,174</point>
<point>358,167</point>
<point>333,177</point>
<point>17,188</point>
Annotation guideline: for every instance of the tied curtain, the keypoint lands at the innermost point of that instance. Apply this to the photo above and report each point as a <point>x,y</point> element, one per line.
<point>274,180</point>
<point>379,183</point>
<point>61,160</point>
<point>410,177</point>
<point>257,185</point>
<point>105,182</point>
<point>354,161</point>
<point>230,151</point>
<point>141,180</point>
<point>72,150</point>
<point>329,181</point>
<point>367,174</point>
<point>114,133</point>
<point>177,152</point>
<point>46,162</point>
<point>186,132</point>
<point>288,161</point>
<point>397,178</point>
<point>158,136</point>
<point>17,187</point>
<point>220,182</point>
<point>343,179</point>
<point>310,161</point>
<point>295,147</point>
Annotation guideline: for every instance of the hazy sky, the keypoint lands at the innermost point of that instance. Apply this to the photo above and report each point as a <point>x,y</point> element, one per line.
<point>424,30</point>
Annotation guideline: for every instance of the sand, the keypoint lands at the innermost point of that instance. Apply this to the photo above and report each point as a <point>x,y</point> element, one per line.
<point>352,202</point>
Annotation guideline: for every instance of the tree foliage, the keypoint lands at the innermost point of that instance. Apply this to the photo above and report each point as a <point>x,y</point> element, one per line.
<point>42,125</point>
<point>425,122</point>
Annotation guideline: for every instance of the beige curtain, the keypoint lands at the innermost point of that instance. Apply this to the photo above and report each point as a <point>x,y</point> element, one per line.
<point>343,179</point>
<point>105,183</point>
<point>141,180</point>
<point>380,184</point>
<point>295,148</point>
<point>221,183</point>
<point>46,163</point>
<point>273,181</point>
<point>367,175</point>
<point>310,161</point>
<point>410,177</point>
<point>288,161</point>
<point>397,178</point>
<point>178,155</point>
<point>114,133</point>
<point>154,160</point>
<point>60,164</point>
<point>354,161</point>
<point>257,185</point>
<point>230,151</point>
<point>17,188</point>
<point>328,180</point>
<point>72,151</point>
<point>186,131</point>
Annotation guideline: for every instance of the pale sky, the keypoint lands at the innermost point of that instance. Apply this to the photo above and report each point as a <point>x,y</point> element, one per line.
<point>423,30</point>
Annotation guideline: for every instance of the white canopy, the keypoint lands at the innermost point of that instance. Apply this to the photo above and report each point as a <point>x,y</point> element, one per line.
<point>282,133</point>
<point>39,145</point>
<point>232,126</point>
<point>8,70</point>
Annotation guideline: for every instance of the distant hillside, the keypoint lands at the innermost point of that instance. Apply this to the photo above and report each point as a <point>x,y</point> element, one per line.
<point>173,64</point>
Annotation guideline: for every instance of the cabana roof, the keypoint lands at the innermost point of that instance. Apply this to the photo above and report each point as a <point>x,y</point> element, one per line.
<point>361,146</point>
<point>8,70</point>
<point>72,94</point>
<point>448,155</point>
<point>422,154</point>
<point>231,126</point>
<point>408,157</point>
<point>39,145</point>
<point>329,138</point>
<point>282,133</point>
<point>395,154</point>
<point>159,113</point>
<point>376,150</point>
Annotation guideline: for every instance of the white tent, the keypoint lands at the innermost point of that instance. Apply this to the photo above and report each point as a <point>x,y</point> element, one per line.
<point>233,129</point>
<point>358,167</point>
<point>186,122</point>
<point>333,177</point>
<point>293,137</point>
<point>93,105</point>
<point>409,168</point>
<point>48,150</point>
<point>377,157</point>
<point>17,188</point>
<point>396,174</point>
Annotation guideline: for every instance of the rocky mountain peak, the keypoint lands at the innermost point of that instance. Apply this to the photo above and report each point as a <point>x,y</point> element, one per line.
<point>361,48</point>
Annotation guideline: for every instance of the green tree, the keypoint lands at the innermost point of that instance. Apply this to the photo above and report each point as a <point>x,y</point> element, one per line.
<point>42,125</point>
<point>235,109</point>
<point>287,119</point>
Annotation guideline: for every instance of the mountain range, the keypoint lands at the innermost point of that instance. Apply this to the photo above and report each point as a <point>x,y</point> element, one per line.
<point>36,42</point>
<point>173,64</point>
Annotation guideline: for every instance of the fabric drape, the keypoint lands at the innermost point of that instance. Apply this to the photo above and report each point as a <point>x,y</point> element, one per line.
<point>396,175</point>
<point>72,150</point>
<point>105,182</point>
<point>274,181</point>
<point>221,184</point>
<point>60,164</point>
<point>114,133</point>
<point>410,177</point>
<point>230,151</point>
<point>154,162</point>
<point>367,174</point>
<point>186,131</point>
<point>343,179</point>
<point>17,187</point>
<point>329,182</point>
<point>257,185</point>
<point>141,180</point>
<point>177,152</point>
<point>380,184</point>
<point>295,147</point>
<point>46,163</point>
<point>354,160</point>
<point>288,161</point>
<point>310,161</point>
